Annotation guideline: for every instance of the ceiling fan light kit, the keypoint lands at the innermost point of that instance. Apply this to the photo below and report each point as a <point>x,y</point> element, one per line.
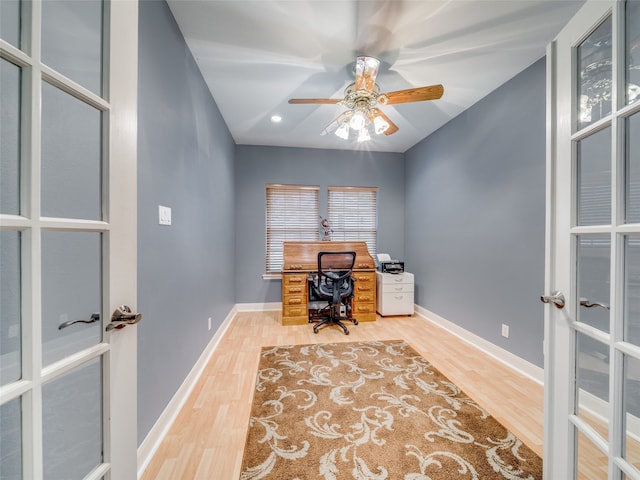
<point>362,97</point>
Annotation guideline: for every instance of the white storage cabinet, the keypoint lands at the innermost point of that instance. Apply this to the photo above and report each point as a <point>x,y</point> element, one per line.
<point>394,293</point>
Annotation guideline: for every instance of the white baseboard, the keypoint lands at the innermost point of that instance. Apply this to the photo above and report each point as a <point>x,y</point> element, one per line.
<point>527,369</point>
<point>154,438</point>
<point>259,307</point>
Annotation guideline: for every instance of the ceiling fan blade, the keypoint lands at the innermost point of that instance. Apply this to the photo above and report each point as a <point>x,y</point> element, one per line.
<point>420,94</point>
<point>366,73</point>
<point>323,101</point>
<point>392,128</point>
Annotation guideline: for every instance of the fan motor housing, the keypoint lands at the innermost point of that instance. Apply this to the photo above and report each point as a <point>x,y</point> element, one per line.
<point>353,97</point>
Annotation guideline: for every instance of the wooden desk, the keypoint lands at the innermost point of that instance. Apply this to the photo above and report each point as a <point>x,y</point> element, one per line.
<point>301,259</point>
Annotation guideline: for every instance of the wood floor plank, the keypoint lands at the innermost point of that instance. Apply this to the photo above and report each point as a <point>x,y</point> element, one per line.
<point>207,438</point>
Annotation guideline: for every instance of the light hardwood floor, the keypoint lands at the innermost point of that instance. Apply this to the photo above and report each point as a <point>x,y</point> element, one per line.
<point>207,439</point>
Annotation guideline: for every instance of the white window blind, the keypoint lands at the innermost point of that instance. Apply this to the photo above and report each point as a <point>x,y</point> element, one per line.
<point>292,214</point>
<point>353,215</point>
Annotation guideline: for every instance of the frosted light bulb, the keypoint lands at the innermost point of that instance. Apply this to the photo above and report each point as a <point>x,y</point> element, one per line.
<point>343,131</point>
<point>357,121</point>
<point>380,125</point>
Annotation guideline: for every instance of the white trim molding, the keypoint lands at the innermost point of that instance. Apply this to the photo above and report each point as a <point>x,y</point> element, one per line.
<point>259,307</point>
<point>514,362</point>
<point>156,435</point>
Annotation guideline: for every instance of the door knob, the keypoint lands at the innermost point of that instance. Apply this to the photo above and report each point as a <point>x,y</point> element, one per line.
<point>123,316</point>
<point>557,298</point>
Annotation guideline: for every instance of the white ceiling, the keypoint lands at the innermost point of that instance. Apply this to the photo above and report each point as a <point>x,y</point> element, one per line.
<point>255,55</point>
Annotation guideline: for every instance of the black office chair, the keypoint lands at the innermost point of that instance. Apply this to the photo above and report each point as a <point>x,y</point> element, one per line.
<point>334,283</point>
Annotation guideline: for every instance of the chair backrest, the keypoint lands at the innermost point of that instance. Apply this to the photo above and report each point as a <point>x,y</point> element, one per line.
<point>336,265</point>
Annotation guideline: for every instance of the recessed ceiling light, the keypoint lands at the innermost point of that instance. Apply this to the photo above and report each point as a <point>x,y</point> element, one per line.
<point>276,118</point>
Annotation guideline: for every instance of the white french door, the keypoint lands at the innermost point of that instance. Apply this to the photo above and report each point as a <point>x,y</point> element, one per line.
<point>592,317</point>
<point>68,128</point>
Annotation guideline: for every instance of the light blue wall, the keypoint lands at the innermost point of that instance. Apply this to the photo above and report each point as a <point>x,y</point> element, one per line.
<point>475,205</point>
<point>185,161</point>
<point>258,166</point>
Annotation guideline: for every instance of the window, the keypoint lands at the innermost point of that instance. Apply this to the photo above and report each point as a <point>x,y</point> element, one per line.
<point>292,214</point>
<point>353,215</point>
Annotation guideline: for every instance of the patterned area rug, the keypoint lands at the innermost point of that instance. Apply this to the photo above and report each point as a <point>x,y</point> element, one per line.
<point>372,410</point>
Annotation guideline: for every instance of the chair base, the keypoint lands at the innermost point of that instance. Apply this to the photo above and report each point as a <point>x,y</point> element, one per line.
<point>334,320</point>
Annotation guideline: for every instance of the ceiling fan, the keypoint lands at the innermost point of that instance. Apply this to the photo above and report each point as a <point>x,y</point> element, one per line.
<point>362,98</point>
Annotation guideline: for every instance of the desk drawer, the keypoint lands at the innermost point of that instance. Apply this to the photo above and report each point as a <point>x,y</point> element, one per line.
<point>294,300</point>
<point>395,278</point>
<point>396,304</point>
<point>365,278</point>
<point>365,297</point>
<point>364,312</point>
<point>397,288</point>
<point>359,308</point>
<point>294,279</point>
<point>295,311</point>
<point>294,289</point>
<point>364,287</point>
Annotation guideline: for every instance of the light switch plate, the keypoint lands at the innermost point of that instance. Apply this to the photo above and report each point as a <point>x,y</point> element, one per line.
<point>164,215</point>
<point>505,330</point>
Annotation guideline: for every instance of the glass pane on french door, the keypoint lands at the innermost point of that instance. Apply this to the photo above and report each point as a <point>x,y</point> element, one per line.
<point>594,179</point>
<point>592,382</point>
<point>632,34</point>
<point>595,77</point>
<point>10,21</point>
<point>72,423</point>
<point>10,79</point>
<point>631,410</point>
<point>11,440</point>
<point>632,169</point>
<point>71,157</point>
<point>631,332</point>
<point>593,280</point>
<point>591,463</point>
<point>71,290</point>
<point>75,52</point>
<point>10,298</point>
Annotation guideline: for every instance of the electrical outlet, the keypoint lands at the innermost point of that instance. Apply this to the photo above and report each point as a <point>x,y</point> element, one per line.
<point>209,323</point>
<point>505,330</point>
